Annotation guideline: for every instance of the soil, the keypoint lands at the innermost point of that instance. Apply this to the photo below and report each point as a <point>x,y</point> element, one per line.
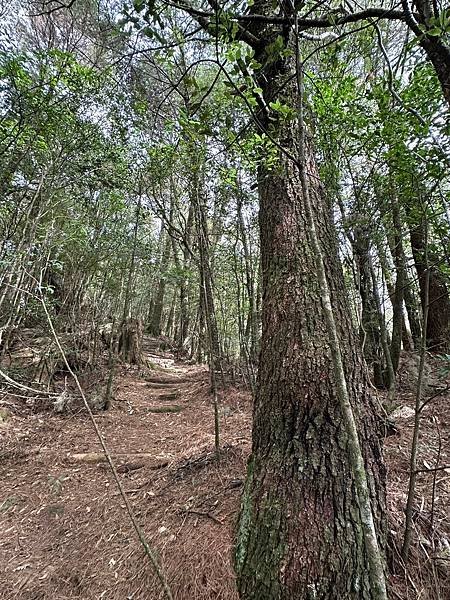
<point>64,531</point>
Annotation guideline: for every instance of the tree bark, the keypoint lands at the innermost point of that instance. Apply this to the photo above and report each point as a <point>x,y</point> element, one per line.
<point>370,334</point>
<point>435,47</point>
<point>300,532</point>
<point>206,285</point>
<point>439,56</point>
<point>184,285</point>
<point>412,309</point>
<point>438,326</point>
<point>398,255</point>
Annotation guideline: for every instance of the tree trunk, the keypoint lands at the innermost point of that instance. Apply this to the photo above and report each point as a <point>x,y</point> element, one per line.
<point>370,333</point>
<point>438,327</point>
<point>206,286</point>
<point>300,531</point>
<point>168,330</point>
<point>412,309</point>
<point>127,300</point>
<point>411,339</point>
<point>439,56</point>
<point>183,329</point>
<point>130,341</point>
<point>436,48</point>
<point>201,338</point>
<point>158,304</point>
<point>398,255</point>
<point>252,318</point>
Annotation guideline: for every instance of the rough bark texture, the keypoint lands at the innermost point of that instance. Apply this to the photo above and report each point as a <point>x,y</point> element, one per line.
<point>130,341</point>
<point>300,532</point>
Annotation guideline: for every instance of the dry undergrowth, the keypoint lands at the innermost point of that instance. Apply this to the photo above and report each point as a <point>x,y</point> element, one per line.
<point>64,532</point>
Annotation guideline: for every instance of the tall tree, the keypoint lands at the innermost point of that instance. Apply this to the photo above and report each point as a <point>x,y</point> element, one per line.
<point>306,529</point>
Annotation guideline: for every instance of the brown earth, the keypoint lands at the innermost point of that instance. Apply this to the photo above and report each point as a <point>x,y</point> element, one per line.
<point>64,533</point>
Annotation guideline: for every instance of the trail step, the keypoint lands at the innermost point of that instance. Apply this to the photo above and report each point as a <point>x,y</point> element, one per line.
<point>169,396</point>
<point>173,408</point>
<point>161,380</point>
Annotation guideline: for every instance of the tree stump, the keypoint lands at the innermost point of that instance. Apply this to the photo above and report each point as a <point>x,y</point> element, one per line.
<point>130,341</point>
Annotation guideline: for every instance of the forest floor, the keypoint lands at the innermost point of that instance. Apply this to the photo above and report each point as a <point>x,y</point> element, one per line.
<point>64,532</point>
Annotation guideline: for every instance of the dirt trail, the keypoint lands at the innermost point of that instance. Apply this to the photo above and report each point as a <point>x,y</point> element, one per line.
<point>64,533</point>
<point>63,529</point>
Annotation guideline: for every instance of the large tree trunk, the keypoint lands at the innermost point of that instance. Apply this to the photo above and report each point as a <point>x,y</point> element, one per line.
<point>301,533</point>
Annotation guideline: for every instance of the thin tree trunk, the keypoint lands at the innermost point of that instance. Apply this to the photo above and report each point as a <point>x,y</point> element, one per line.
<point>183,267</point>
<point>418,401</point>
<point>206,285</point>
<point>158,303</point>
<point>252,319</point>
<point>398,254</point>
<point>390,373</point>
<point>412,309</point>
<point>168,330</point>
<point>370,334</point>
<point>127,300</point>
<point>438,323</point>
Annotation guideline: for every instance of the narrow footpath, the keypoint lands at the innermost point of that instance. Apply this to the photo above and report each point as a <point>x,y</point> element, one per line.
<point>64,532</point>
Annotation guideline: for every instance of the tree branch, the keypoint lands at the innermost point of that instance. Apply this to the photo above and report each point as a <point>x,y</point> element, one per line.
<point>331,20</point>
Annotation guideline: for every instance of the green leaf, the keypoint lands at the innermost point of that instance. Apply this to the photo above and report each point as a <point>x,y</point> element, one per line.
<point>434,31</point>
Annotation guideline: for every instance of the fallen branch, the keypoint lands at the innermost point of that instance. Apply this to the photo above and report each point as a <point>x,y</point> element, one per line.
<point>433,469</point>
<point>20,386</point>
<point>94,457</point>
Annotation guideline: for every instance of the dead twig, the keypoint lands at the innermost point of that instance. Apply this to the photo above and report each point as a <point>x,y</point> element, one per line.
<point>202,514</point>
